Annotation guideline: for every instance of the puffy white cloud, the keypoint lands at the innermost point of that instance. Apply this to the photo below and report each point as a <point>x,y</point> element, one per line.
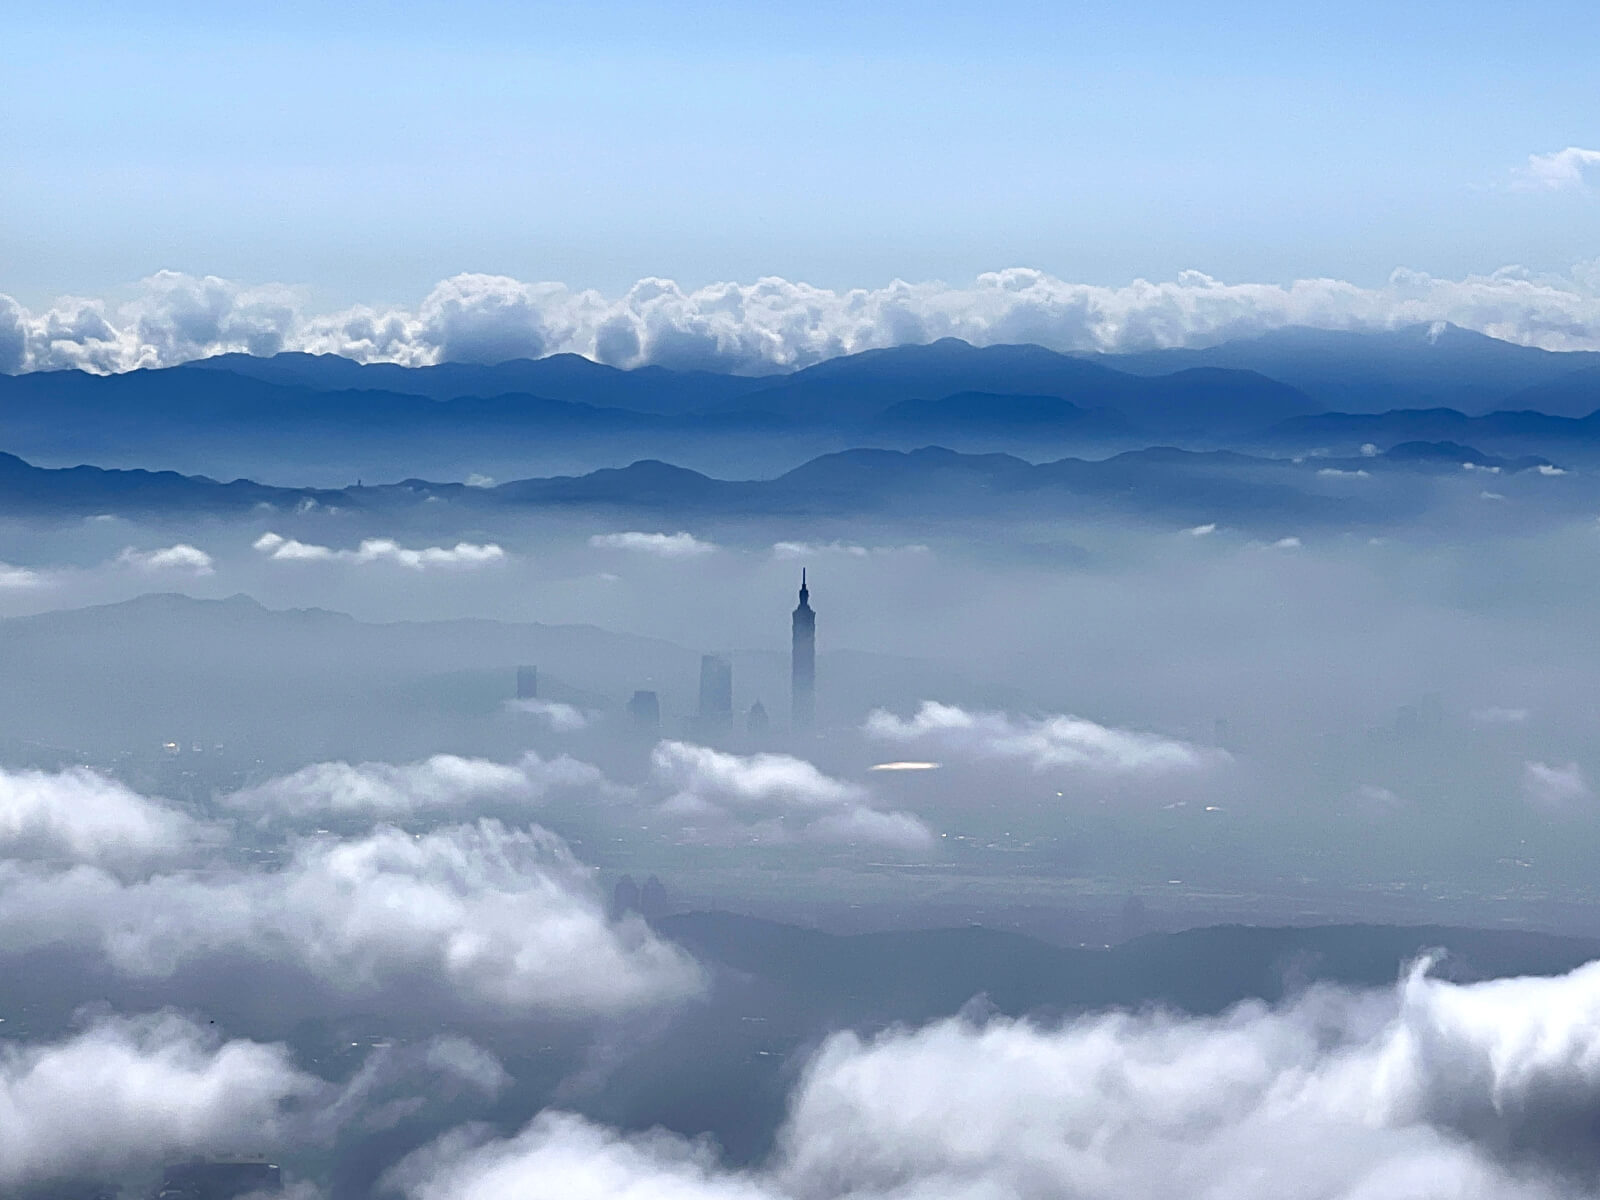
<point>561,718</point>
<point>1338,473</point>
<point>1477,1092</point>
<point>1205,530</point>
<point>662,545</point>
<point>563,1157</point>
<point>1559,171</point>
<point>81,816</point>
<point>1043,743</point>
<point>1558,789</point>
<point>777,324</point>
<point>381,550</point>
<point>128,1094</point>
<point>387,791</point>
<point>497,918</point>
<point>773,798</point>
<point>182,557</point>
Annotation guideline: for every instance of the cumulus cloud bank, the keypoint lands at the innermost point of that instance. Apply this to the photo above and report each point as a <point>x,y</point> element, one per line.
<point>83,817</point>
<point>500,918</point>
<point>130,1093</point>
<point>775,324</point>
<point>773,798</point>
<point>386,791</point>
<point>182,557</point>
<point>662,545</point>
<point>381,550</point>
<point>1043,742</point>
<point>1433,1089</point>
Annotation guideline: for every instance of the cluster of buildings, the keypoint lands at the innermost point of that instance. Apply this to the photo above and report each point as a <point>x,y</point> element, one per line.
<point>714,715</point>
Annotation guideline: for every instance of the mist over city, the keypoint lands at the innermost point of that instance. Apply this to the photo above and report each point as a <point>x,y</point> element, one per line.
<point>734,603</point>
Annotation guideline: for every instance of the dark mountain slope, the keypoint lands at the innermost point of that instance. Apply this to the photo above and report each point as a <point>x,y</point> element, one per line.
<point>569,377</point>
<point>1418,366</point>
<point>855,388</point>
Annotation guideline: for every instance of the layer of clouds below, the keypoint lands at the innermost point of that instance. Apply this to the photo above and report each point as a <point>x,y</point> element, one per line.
<point>662,545</point>
<point>389,791</point>
<point>1042,742</point>
<point>773,798</point>
<point>278,548</point>
<point>130,1094</point>
<point>504,919</point>
<point>124,1095</point>
<point>80,816</point>
<point>1480,1092</point>
<point>776,324</point>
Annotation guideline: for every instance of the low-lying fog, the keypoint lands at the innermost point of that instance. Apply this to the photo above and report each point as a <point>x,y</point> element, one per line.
<point>318,884</point>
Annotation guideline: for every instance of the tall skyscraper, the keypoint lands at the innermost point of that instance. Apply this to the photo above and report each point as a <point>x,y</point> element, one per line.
<point>644,710</point>
<point>716,694</point>
<point>527,683</point>
<point>803,662</point>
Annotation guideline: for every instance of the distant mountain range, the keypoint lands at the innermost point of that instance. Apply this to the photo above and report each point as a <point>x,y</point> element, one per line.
<point>1164,482</point>
<point>1293,389</point>
<point>1418,366</point>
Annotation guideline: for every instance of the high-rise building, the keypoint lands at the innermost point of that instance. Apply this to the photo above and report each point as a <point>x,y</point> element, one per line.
<point>644,710</point>
<point>756,721</point>
<point>716,694</point>
<point>527,683</point>
<point>803,662</point>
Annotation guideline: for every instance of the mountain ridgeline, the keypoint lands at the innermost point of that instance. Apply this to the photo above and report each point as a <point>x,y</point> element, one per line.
<point>305,418</point>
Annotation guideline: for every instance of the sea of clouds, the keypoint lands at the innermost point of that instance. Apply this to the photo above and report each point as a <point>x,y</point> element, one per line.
<point>772,324</point>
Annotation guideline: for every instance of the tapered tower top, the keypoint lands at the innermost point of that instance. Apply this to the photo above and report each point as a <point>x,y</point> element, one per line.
<point>805,592</point>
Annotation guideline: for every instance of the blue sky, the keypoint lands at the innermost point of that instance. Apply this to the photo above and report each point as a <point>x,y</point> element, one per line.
<point>370,153</point>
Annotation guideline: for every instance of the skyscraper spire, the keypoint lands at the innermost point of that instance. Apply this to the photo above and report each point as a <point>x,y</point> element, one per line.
<point>803,662</point>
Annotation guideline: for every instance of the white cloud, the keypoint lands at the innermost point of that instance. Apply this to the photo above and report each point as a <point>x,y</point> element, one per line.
<point>182,557</point>
<point>83,817</point>
<point>1433,1089</point>
<point>1042,743</point>
<point>774,323</point>
<point>1496,715</point>
<point>1558,789</point>
<point>21,578</point>
<point>479,914</point>
<point>1374,796</point>
<point>1337,473</point>
<point>476,480</point>
<point>561,718</point>
<point>773,798</point>
<point>1286,543</point>
<point>387,791</point>
<point>1550,469</point>
<point>662,545</point>
<point>128,1094</point>
<point>789,551</point>
<point>1560,171</point>
<point>1205,530</point>
<point>381,550</point>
